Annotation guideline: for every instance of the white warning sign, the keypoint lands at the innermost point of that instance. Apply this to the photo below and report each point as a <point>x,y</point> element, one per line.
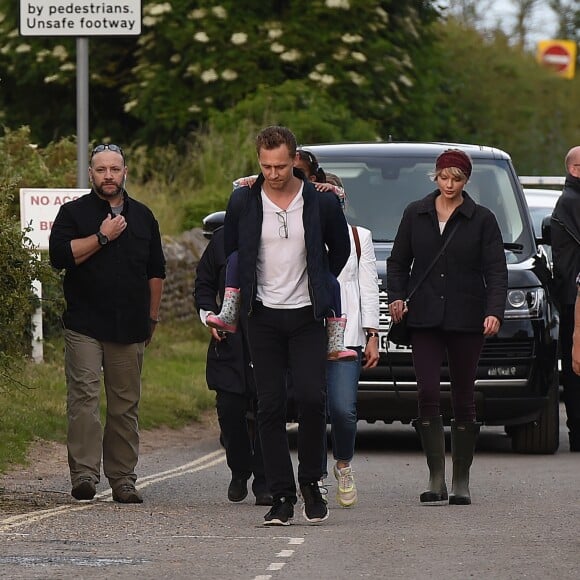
<point>80,17</point>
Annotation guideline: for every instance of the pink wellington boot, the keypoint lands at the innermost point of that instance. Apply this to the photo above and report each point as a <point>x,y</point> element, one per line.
<point>227,319</point>
<point>335,330</point>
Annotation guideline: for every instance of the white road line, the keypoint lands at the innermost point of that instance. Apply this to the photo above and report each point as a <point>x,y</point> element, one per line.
<point>276,566</point>
<point>199,464</point>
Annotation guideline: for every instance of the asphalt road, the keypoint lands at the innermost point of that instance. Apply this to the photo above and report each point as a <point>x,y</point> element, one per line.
<point>524,521</point>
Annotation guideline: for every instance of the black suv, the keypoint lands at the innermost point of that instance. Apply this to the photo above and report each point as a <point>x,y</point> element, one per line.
<point>517,377</point>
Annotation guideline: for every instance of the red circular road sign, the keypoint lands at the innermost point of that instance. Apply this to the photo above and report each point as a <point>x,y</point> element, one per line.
<point>557,57</point>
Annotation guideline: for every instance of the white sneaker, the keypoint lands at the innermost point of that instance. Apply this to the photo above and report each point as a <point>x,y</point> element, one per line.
<point>346,494</point>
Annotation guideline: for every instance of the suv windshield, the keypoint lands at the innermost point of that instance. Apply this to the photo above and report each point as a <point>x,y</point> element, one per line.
<point>379,189</point>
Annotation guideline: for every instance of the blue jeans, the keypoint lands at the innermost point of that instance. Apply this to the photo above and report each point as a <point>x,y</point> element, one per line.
<point>342,386</point>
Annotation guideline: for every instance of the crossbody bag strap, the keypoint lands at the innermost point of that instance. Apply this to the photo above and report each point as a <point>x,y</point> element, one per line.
<point>433,262</point>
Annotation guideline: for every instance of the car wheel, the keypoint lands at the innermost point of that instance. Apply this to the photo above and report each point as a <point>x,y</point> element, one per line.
<point>541,436</point>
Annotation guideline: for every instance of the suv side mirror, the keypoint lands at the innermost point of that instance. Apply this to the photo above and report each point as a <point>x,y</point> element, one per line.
<point>547,230</point>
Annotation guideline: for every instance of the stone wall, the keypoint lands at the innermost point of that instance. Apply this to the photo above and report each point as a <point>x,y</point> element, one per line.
<point>182,254</point>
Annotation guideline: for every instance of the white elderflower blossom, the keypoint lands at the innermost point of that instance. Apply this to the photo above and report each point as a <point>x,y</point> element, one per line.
<point>351,38</point>
<point>197,14</point>
<point>344,4</point>
<point>22,48</point>
<point>201,37</point>
<point>274,33</point>
<point>277,47</point>
<point>327,80</point>
<point>209,76</point>
<point>67,66</point>
<point>50,79</point>
<point>356,78</point>
<point>320,66</point>
<point>157,9</point>
<point>383,14</point>
<point>41,55</point>
<point>340,54</point>
<point>194,109</point>
<point>314,76</point>
<point>60,52</point>
<point>290,55</point>
<point>149,21</point>
<point>229,75</point>
<point>193,68</point>
<point>358,56</point>
<point>130,105</point>
<point>405,80</point>
<point>219,11</point>
<point>175,58</point>
<point>239,38</point>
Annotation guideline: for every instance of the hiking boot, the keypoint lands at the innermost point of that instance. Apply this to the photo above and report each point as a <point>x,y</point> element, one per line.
<point>315,509</point>
<point>238,489</point>
<point>281,513</point>
<point>127,493</point>
<point>84,489</point>
<point>346,494</point>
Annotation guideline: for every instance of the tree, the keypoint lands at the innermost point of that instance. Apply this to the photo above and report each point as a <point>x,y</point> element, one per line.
<point>198,57</point>
<point>568,12</point>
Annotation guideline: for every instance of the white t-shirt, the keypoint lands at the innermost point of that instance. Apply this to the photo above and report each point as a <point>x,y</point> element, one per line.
<point>281,266</point>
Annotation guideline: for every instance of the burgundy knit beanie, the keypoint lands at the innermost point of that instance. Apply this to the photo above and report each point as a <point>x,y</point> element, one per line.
<point>454,158</point>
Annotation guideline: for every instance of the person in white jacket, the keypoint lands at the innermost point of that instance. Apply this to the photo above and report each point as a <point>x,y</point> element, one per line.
<point>360,300</point>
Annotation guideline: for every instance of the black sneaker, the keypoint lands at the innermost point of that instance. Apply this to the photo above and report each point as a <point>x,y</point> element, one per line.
<point>315,509</point>
<point>281,513</point>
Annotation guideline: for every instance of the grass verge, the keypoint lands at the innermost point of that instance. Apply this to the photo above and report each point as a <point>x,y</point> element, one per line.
<point>174,391</point>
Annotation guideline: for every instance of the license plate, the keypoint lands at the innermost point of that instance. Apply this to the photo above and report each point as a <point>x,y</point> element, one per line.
<point>384,342</point>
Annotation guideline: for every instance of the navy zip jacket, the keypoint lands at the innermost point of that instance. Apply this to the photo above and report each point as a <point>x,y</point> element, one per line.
<point>107,296</point>
<point>325,235</point>
<point>468,282</point>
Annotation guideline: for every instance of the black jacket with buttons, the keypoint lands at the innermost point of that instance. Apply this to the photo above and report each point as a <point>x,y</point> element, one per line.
<point>469,280</point>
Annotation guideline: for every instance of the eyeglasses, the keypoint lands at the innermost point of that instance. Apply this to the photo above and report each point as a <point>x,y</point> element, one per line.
<point>283,219</point>
<point>107,146</point>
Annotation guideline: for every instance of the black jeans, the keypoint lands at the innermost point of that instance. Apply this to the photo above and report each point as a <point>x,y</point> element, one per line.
<point>240,438</point>
<point>282,343</point>
<point>570,380</point>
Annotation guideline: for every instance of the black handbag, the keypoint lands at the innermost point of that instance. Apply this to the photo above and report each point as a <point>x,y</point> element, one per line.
<point>399,333</point>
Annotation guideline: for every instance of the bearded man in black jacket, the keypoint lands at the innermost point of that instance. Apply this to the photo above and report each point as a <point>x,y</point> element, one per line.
<point>566,257</point>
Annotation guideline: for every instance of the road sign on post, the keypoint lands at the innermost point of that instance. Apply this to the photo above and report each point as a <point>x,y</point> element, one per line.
<point>80,17</point>
<point>559,55</point>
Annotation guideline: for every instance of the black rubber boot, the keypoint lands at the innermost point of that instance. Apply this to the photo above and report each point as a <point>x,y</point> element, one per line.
<point>432,436</point>
<point>463,438</point>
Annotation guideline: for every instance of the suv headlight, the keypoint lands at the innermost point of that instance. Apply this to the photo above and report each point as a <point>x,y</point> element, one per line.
<point>525,303</point>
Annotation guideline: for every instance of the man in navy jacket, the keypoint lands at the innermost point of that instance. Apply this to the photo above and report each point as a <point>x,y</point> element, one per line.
<point>290,240</point>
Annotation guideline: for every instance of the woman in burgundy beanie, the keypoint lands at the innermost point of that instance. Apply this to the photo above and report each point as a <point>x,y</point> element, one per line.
<point>457,303</point>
